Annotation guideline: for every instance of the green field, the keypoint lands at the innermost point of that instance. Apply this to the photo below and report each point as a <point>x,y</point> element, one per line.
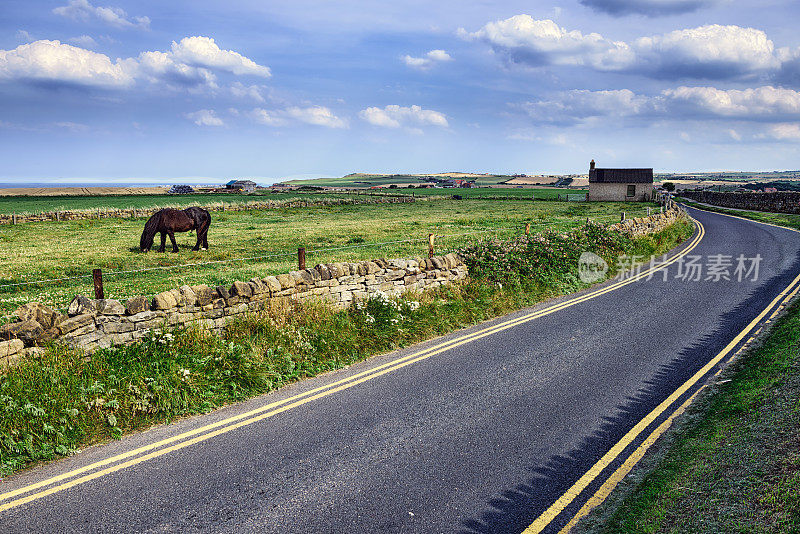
<point>66,249</point>
<point>369,180</point>
<point>33,205</point>
<point>544,193</point>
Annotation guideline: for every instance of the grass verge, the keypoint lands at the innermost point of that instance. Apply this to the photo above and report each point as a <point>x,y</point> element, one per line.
<point>52,405</point>
<point>733,464</point>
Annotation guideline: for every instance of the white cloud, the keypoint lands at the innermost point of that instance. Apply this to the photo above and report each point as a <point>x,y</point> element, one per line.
<point>204,52</point>
<point>239,90</point>
<point>711,52</point>
<point>394,116</point>
<point>525,40</point>
<point>205,117</point>
<point>113,16</point>
<point>190,64</point>
<point>157,67</point>
<point>427,61</point>
<point>23,35</point>
<point>580,105</point>
<point>760,104</point>
<point>44,61</point>
<point>84,41</point>
<point>786,131</point>
<point>74,127</point>
<point>317,115</point>
<point>270,118</point>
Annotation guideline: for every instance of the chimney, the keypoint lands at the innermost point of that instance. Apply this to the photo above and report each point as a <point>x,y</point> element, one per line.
<point>591,165</point>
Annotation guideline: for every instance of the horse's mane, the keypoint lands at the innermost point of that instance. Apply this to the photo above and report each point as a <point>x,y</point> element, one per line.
<point>150,229</point>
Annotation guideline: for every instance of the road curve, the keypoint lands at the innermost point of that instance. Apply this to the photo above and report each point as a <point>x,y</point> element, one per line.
<point>480,435</point>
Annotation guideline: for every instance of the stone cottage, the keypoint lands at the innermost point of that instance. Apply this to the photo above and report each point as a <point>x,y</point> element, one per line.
<point>620,184</point>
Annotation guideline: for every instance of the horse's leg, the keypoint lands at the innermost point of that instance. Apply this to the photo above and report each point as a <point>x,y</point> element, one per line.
<point>174,244</point>
<point>163,242</point>
<point>196,246</point>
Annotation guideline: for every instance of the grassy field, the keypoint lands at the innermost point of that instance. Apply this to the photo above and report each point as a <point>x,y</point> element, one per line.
<point>54,250</point>
<point>549,193</point>
<point>368,180</point>
<point>31,204</point>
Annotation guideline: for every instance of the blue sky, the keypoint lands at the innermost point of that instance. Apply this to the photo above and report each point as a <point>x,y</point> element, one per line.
<point>199,92</point>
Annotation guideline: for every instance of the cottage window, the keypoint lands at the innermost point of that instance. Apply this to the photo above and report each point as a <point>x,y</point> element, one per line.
<point>631,191</point>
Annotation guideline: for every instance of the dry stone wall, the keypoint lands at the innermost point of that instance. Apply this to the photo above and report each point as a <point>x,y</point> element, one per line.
<point>132,213</point>
<point>640,226</point>
<point>778,202</point>
<point>91,324</point>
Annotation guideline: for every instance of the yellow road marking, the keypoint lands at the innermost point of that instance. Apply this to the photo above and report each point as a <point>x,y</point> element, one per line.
<point>622,471</point>
<point>566,499</point>
<point>302,398</point>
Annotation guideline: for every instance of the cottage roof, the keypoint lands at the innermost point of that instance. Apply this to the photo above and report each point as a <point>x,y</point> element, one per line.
<point>621,176</point>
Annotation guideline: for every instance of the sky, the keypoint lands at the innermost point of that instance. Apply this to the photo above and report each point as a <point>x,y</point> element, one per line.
<point>117,91</point>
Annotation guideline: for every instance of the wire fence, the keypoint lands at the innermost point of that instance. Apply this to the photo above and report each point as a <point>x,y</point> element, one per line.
<point>127,279</point>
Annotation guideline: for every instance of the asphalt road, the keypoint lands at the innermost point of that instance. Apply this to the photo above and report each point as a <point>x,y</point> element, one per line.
<point>481,437</point>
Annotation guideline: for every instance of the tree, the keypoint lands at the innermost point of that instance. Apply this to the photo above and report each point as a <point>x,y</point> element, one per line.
<point>668,186</point>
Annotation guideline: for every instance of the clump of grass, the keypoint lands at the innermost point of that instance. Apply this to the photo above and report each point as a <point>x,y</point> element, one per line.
<point>63,400</point>
<point>733,465</point>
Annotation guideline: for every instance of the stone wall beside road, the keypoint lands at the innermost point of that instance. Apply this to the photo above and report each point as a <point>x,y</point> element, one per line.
<point>91,324</point>
<point>779,202</point>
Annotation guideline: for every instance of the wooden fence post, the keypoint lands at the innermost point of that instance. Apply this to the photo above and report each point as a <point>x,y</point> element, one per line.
<point>648,211</point>
<point>301,258</point>
<point>97,274</point>
<point>14,218</point>
<point>431,238</point>
<point>527,228</point>
<point>622,216</point>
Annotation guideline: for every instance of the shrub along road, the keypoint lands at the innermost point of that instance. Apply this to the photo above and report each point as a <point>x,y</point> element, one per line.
<point>517,421</point>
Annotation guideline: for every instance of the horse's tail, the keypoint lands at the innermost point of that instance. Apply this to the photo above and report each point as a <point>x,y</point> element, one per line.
<point>150,230</point>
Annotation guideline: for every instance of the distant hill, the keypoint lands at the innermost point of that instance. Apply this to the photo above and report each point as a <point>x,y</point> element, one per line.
<point>360,179</point>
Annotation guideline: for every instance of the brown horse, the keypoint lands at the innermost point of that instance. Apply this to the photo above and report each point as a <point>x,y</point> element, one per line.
<point>169,220</point>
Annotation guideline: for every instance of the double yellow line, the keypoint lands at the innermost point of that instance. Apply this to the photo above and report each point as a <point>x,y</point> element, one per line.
<point>14,498</point>
<point>544,520</point>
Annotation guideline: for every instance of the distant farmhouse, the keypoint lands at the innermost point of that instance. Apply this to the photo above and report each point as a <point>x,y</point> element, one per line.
<point>247,186</point>
<point>620,184</point>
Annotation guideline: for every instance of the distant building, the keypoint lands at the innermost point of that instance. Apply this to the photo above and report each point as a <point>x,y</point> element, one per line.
<point>635,185</point>
<point>248,186</point>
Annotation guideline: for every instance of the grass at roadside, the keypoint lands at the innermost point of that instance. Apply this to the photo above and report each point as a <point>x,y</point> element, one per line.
<point>52,405</point>
<point>789,220</point>
<point>54,250</point>
<point>733,465</point>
